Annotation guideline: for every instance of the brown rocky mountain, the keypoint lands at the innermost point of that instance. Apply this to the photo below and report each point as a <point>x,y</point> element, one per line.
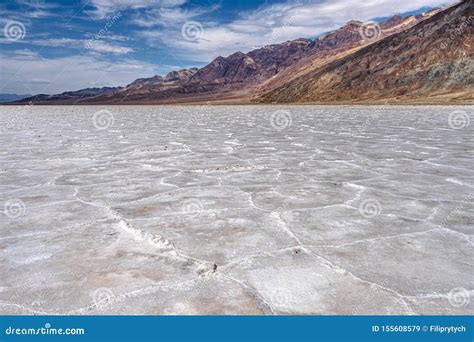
<point>144,88</point>
<point>141,86</point>
<point>432,61</point>
<point>172,79</point>
<point>267,72</point>
<point>253,67</point>
<point>240,75</point>
<point>68,96</point>
<point>221,76</point>
<point>340,43</point>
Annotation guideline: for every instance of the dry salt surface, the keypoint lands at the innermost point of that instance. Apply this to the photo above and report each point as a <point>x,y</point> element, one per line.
<point>236,210</point>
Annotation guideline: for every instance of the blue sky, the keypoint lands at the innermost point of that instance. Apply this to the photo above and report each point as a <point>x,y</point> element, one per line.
<point>53,46</point>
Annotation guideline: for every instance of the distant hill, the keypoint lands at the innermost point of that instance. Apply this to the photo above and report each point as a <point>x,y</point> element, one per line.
<point>144,89</point>
<point>68,96</point>
<point>12,97</point>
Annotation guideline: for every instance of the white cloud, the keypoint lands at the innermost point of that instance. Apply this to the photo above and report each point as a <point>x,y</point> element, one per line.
<point>116,37</point>
<point>24,71</point>
<point>103,47</point>
<point>92,45</point>
<point>103,8</point>
<point>36,8</point>
<point>168,16</point>
<point>279,22</point>
<point>150,13</point>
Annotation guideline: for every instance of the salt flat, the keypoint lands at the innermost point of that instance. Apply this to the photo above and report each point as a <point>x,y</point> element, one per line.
<point>236,210</point>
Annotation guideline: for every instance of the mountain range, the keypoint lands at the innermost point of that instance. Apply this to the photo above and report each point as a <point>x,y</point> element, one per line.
<point>426,58</point>
<point>12,97</point>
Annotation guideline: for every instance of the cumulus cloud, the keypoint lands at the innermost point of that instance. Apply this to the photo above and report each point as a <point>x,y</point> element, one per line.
<point>168,16</point>
<point>35,8</point>
<point>92,45</point>
<point>103,8</point>
<point>278,22</point>
<point>24,71</point>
